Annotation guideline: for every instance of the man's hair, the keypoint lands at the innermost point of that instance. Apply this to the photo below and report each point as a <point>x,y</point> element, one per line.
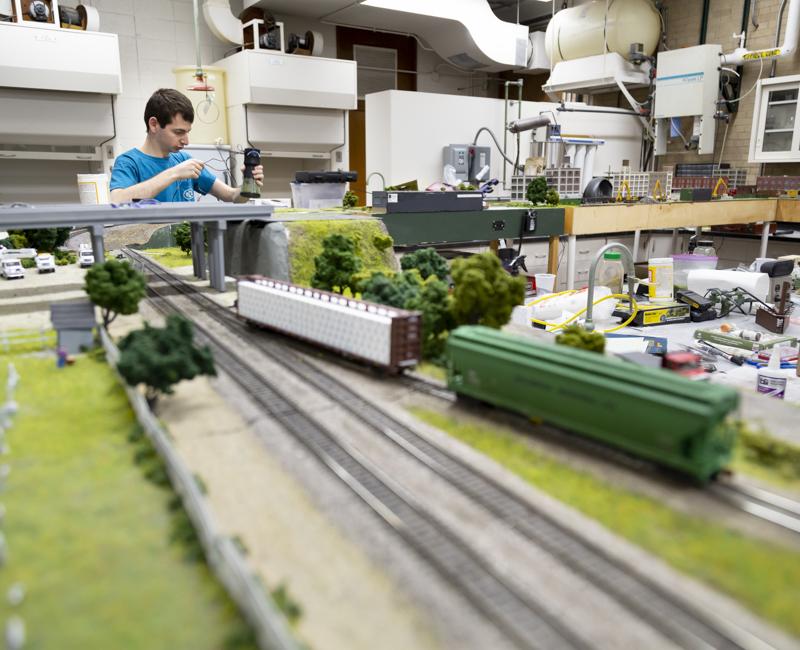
<point>164,104</point>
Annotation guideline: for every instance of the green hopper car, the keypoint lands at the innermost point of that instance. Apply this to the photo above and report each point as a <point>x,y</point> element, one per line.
<point>648,412</point>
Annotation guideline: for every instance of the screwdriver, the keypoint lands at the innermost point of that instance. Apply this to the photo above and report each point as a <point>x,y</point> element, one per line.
<point>735,359</point>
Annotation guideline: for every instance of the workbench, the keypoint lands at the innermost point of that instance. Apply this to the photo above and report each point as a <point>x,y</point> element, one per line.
<point>619,218</point>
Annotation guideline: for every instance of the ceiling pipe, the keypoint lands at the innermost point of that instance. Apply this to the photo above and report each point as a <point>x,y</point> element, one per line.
<point>742,55</point>
<point>221,21</point>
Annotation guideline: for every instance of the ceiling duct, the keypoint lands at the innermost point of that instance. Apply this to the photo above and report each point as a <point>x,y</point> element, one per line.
<point>464,32</point>
<point>221,21</point>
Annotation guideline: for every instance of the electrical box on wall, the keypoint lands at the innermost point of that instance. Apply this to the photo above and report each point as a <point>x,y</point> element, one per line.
<point>687,85</point>
<point>468,161</point>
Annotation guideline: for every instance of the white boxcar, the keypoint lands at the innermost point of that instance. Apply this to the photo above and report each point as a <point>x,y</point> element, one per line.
<point>380,335</point>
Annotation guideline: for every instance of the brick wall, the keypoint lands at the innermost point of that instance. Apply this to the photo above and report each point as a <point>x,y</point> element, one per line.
<point>683,23</point>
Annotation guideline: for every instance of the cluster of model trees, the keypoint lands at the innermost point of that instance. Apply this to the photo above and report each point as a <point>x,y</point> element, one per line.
<point>474,290</point>
<point>157,357</point>
<point>538,192</point>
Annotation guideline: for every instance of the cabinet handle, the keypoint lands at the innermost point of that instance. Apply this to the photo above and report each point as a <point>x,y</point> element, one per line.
<point>584,251</point>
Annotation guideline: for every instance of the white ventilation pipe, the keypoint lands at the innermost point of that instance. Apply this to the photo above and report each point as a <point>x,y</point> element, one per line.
<point>742,55</point>
<point>221,21</point>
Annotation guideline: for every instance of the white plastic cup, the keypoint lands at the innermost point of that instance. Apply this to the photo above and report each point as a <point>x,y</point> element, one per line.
<point>93,189</point>
<point>545,283</point>
<point>660,279</point>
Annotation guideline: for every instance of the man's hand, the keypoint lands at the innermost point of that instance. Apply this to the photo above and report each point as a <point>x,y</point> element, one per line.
<point>258,174</point>
<point>187,169</point>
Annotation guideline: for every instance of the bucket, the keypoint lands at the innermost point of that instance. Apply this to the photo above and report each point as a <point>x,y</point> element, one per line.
<point>659,271</point>
<point>93,189</point>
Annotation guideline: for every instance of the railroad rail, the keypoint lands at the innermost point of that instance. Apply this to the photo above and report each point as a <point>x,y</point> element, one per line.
<point>515,613</point>
<point>664,611</point>
<point>761,503</point>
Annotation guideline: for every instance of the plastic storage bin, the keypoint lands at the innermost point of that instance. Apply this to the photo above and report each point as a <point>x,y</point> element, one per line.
<point>318,195</point>
<point>685,263</point>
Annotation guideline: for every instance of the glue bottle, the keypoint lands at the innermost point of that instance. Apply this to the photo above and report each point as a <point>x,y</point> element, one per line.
<point>770,380</point>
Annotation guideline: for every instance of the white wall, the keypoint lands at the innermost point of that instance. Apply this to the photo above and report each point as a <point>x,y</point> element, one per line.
<point>154,37</point>
<point>435,75</point>
<point>406,132</point>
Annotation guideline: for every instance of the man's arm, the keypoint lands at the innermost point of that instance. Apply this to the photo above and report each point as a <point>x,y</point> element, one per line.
<point>233,194</point>
<point>153,186</point>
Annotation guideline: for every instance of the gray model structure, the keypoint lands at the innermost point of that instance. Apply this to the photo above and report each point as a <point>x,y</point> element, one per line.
<point>74,323</point>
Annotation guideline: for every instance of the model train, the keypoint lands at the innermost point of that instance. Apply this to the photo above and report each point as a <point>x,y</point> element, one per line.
<point>381,336</point>
<point>650,413</point>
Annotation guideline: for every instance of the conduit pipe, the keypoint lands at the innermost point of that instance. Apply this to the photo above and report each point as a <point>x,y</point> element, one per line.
<point>221,21</point>
<point>742,55</point>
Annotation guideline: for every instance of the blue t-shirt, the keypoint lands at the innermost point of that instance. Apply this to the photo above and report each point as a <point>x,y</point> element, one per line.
<point>135,166</point>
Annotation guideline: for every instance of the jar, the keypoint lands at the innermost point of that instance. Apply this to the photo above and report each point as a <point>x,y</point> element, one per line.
<point>705,247</point>
<point>610,271</point>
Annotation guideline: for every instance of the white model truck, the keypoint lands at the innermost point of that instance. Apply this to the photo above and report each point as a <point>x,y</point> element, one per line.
<point>11,268</point>
<point>45,263</point>
<point>85,256</point>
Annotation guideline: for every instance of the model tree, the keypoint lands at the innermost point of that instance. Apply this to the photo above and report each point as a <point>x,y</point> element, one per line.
<point>335,267</point>
<point>434,301</point>
<point>394,290</point>
<point>159,358</point>
<point>44,240</point>
<point>484,293</point>
<point>183,237</point>
<point>116,287</point>
<point>536,192</point>
<point>427,261</point>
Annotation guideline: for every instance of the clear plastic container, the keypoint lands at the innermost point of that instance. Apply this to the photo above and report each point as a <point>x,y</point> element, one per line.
<point>705,247</point>
<point>686,262</point>
<point>610,271</point>
<point>317,195</point>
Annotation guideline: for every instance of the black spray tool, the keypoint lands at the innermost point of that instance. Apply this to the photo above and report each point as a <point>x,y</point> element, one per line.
<point>252,159</point>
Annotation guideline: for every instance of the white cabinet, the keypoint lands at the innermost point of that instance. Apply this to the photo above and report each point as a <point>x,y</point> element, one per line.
<point>775,135</point>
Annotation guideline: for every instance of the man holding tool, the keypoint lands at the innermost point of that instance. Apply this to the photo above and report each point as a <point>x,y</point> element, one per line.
<point>159,169</point>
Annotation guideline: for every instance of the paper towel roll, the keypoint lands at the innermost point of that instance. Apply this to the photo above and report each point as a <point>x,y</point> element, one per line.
<point>701,280</point>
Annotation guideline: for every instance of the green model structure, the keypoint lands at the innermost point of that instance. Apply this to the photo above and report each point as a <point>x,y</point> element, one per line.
<point>651,413</point>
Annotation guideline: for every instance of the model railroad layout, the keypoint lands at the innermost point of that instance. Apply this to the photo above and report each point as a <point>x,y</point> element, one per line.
<point>515,613</point>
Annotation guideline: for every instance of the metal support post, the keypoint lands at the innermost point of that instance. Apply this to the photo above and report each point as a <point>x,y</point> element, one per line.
<point>764,238</point>
<point>216,255</point>
<point>674,243</point>
<point>637,236</point>
<point>97,244</point>
<point>572,249</point>
<point>199,265</point>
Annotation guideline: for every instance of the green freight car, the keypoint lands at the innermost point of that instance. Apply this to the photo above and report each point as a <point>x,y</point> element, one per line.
<point>648,412</point>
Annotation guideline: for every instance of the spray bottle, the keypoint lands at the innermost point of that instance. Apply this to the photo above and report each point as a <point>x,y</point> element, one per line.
<point>770,380</point>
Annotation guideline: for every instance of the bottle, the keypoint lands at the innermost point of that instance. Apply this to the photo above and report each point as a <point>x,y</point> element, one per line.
<point>705,247</point>
<point>770,380</point>
<point>610,271</point>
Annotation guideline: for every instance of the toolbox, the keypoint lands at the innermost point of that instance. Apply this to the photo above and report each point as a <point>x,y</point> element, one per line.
<point>661,313</point>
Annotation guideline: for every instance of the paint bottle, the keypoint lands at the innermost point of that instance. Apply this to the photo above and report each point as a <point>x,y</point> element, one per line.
<point>770,380</point>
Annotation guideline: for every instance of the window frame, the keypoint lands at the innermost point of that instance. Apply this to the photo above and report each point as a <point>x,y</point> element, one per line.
<point>763,89</point>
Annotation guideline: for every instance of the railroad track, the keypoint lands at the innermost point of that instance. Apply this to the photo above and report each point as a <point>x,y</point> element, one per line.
<point>523,621</point>
<point>760,503</point>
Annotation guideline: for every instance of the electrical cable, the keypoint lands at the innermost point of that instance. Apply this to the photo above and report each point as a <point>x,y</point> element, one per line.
<point>497,144</point>
<point>556,326</point>
<point>752,88</point>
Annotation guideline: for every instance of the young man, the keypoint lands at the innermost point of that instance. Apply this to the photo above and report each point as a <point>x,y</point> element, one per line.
<point>159,169</point>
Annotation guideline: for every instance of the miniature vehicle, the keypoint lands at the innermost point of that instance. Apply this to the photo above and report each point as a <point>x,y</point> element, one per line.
<point>85,257</point>
<point>381,336</point>
<point>687,364</point>
<point>646,412</point>
<point>45,263</point>
<point>11,268</point>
